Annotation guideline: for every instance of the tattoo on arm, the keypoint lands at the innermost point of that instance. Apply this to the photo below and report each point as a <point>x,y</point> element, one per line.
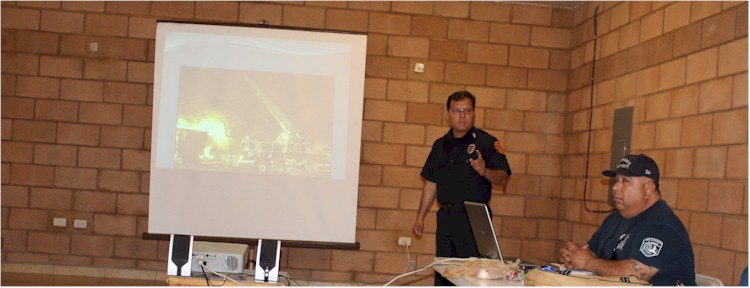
<point>643,271</point>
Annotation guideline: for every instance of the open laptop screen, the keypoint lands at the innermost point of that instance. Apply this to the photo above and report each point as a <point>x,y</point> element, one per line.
<point>484,233</point>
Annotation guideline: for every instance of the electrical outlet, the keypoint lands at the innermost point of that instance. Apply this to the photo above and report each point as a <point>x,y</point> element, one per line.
<point>404,241</point>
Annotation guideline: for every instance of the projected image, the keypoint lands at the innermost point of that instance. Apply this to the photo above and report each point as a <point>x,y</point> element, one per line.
<point>233,120</point>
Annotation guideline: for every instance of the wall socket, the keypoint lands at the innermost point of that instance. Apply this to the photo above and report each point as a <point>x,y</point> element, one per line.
<point>404,241</point>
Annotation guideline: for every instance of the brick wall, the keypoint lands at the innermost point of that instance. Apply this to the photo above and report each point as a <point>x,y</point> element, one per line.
<point>76,124</point>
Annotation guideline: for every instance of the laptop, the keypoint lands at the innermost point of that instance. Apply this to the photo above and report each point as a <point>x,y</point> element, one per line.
<point>484,233</point>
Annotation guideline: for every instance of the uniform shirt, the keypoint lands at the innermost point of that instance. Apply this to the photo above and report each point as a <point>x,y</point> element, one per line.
<point>656,238</point>
<point>448,166</point>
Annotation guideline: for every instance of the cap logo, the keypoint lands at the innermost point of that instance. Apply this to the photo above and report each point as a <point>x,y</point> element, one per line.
<point>648,172</point>
<point>624,163</point>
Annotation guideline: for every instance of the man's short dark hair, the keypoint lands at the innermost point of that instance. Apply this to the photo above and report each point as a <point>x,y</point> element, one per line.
<point>458,96</point>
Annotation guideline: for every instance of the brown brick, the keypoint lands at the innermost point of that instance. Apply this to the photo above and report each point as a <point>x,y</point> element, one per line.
<point>413,7</point>
<point>704,228</point>
<point>433,27</point>
<point>718,29</point>
<point>703,9</point>
<point>409,91</point>
<point>304,17</point>
<point>114,225</point>
<point>448,50</point>
<point>122,137</point>
<point>548,80</point>
<point>652,25</point>
<point>389,24</point>
<point>28,219</point>
<point>139,116</point>
<point>14,18</point>
<point>37,87</point>
<point>408,47</point>
<point>141,72</point>
<point>629,35</point>
<point>702,65</point>
<point>434,71</point>
<point>64,22</point>
<point>715,95</point>
<point>378,197</point>
<point>71,89</point>
<point>54,243</point>
<point>529,57</point>
<point>723,195</point>
<point>468,30</point>
<point>91,6</point>
<point>24,64</point>
<point>668,133</point>
<point>739,90</point>
<point>361,261</point>
<point>456,9</point>
<point>526,100</point>
<point>173,9</point>
<point>346,20</point>
<point>488,53</point>
<point>510,34</point>
<point>733,57</point>
<point>53,199</point>
<point>75,178</point>
<point>309,258</point>
<point>386,67</point>
<point>130,7</point>
<point>108,25</point>
<point>219,11</point>
<point>676,15</point>
<point>31,42</point>
<point>734,233</point>
<point>132,204</point>
<point>60,67</point>
<point>17,108</point>
<point>56,110</point>
<point>88,201</point>
<point>118,92</point>
<point>35,131</point>
<point>504,120</point>
<point>105,69</point>
<point>730,127</point>
<point>693,195</point>
<point>255,12</point>
<point>710,162</point>
<point>490,11</point>
<point>376,153</point>
<point>136,160</point>
<point>58,155</point>
<point>385,110</point>
<point>544,165</point>
<point>468,74</point>
<point>534,15</point>
<point>99,158</point>
<point>100,113</point>
<point>424,113</point>
<point>119,181</point>
<point>92,245</point>
<point>78,134</point>
<point>685,101</point>
<point>137,248</point>
<point>550,37</point>
<point>403,133</point>
<point>18,152</point>
<point>370,174</point>
<point>524,142</point>
<point>401,177</point>
<point>14,196</point>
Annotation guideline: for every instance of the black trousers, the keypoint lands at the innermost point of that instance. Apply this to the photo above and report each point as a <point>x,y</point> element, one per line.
<point>453,239</point>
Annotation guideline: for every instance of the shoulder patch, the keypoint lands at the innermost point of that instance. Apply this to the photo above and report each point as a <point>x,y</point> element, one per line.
<point>650,247</point>
<point>499,148</point>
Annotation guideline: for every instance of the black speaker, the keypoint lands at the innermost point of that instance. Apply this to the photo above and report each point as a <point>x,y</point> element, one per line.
<point>267,267</point>
<point>180,254</point>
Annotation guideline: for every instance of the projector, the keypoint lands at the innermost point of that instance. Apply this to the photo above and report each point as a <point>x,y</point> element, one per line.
<point>219,257</point>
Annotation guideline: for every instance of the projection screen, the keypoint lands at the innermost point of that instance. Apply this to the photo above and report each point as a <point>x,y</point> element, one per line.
<point>256,132</point>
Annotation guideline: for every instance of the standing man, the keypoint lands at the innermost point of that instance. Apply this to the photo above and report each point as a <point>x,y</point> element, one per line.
<point>462,166</point>
<point>642,238</point>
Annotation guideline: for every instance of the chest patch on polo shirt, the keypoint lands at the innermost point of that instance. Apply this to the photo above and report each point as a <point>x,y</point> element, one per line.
<point>650,247</point>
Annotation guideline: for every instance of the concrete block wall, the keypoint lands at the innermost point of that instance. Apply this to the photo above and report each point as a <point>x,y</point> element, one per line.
<point>683,67</point>
<point>76,124</point>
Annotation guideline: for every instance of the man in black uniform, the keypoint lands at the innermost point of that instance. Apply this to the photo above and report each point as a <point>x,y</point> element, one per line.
<point>462,166</point>
<point>642,238</point>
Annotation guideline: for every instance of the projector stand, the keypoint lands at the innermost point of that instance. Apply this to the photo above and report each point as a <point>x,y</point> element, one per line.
<point>267,261</point>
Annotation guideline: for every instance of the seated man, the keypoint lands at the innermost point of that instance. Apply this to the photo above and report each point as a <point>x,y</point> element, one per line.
<point>643,237</point>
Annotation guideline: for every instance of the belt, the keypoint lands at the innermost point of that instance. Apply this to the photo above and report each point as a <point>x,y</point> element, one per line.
<point>453,208</point>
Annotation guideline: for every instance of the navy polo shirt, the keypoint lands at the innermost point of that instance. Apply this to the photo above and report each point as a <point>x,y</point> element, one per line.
<point>656,238</point>
<point>448,166</point>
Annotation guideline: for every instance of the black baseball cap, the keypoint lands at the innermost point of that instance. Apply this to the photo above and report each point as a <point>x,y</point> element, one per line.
<point>635,165</point>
